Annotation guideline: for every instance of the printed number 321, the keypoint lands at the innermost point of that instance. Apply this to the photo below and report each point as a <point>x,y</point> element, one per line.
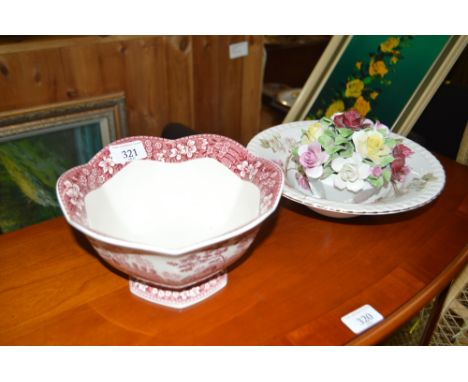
<point>129,154</point>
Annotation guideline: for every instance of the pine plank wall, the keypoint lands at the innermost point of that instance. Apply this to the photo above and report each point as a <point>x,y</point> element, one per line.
<point>186,79</point>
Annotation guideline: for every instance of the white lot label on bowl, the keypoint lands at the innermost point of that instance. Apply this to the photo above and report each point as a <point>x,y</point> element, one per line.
<point>127,152</point>
<point>362,318</point>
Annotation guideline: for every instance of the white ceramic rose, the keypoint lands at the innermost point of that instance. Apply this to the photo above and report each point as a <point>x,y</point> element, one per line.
<point>350,172</point>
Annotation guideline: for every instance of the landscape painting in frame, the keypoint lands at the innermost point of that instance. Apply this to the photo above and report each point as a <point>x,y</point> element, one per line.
<point>35,153</point>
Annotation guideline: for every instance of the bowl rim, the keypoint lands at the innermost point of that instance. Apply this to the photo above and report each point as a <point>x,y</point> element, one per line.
<point>188,248</point>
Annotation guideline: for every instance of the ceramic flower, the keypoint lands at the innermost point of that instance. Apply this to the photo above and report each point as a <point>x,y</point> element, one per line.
<point>313,133</point>
<point>350,173</point>
<point>399,169</point>
<point>398,166</point>
<point>381,128</point>
<point>311,157</point>
<point>350,119</point>
<point>371,144</point>
<point>401,151</point>
<point>302,181</point>
<point>353,151</point>
<point>376,171</point>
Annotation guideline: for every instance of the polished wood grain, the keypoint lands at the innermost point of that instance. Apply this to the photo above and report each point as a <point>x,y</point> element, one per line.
<point>303,273</point>
<point>184,79</point>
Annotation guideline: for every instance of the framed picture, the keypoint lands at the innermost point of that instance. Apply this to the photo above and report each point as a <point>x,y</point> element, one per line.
<point>386,78</point>
<point>38,144</point>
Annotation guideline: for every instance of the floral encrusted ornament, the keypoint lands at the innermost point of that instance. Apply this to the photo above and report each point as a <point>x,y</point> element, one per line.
<point>350,154</point>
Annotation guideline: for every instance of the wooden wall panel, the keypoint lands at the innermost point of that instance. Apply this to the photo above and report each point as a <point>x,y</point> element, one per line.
<point>146,86</point>
<point>206,84</point>
<point>183,79</point>
<point>82,71</point>
<point>230,87</point>
<point>252,83</point>
<point>179,74</point>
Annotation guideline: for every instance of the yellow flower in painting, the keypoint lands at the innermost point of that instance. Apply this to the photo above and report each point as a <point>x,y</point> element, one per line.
<point>362,106</point>
<point>394,60</point>
<point>389,44</point>
<point>335,107</point>
<point>359,65</point>
<point>374,95</point>
<point>377,68</point>
<point>354,88</point>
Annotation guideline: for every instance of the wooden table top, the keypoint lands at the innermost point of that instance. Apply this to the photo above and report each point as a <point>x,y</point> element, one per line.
<point>303,273</point>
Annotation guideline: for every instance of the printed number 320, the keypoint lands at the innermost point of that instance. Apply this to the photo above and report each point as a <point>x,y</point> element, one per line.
<point>365,318</point>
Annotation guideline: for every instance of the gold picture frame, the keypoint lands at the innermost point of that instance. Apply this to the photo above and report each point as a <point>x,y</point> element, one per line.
<point>38,144</point>
<point>109,110</point>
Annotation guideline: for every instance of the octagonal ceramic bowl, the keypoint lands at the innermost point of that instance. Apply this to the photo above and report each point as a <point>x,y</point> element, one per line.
<point>173,215</point>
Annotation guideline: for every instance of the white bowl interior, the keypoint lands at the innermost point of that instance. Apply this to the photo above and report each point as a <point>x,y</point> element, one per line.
<point>172,205</point>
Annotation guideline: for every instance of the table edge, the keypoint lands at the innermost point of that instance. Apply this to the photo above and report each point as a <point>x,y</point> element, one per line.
<point>405,312</point>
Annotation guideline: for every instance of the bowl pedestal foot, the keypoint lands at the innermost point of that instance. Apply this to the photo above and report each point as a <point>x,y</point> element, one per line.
<point>178,298</point>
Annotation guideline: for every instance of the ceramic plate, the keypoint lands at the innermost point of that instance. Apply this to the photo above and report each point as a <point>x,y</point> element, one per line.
<point>288,97</point>
<point>275,144</point>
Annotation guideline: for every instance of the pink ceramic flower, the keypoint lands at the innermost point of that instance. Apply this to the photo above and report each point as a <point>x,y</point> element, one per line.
<point>399,169</point>
<point>376,171</point>
<point>311,157</point>
<point>378,126</point>
<point>351,119</point>
<point>401,151</point>
<point>302,181</point>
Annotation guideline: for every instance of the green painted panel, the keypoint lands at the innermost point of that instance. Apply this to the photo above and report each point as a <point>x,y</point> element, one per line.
<point>30,167</point>
<point>377,75</point>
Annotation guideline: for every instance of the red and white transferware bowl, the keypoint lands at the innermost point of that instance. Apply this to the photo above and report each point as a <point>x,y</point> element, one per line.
<point>173,215</point>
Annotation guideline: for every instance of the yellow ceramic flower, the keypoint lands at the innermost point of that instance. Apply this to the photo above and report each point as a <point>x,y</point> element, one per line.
<point>335,107</point>
<point>375,145</point>
<point>313,133</point>
<point>371,144</point>
<point>377,68</point>
<point>359,65</point>
<point>374,95</point>
<point>354,88</point>
<point>389,44</point>
<point>394,60</point>
<point>362,106</point>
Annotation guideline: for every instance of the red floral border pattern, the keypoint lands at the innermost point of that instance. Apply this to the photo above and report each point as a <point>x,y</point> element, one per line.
<point>77,182</point>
